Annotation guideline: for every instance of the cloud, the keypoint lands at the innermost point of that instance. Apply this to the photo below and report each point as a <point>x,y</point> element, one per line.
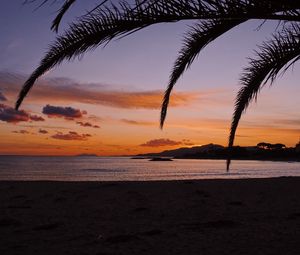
<point>166,142</point>
<point>84,124</point>
<point>67,113</point>
<point>138,123</point>
<point>187,142</point>
<point>2,97</point>
<point>36,118</point>
<point>71,136</point>
<point>23,131</point>
<point>95,118</point>
<point>161,142</point>
<point>87,124</point>
<point>67,90</point>
<point>290,122</point>
<point>10,115</point>
<point>43,131</point>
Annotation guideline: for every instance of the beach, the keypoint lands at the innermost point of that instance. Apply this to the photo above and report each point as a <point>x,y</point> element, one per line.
<point>245,216</point>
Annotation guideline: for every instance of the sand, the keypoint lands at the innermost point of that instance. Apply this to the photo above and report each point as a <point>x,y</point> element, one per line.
<point>257,216</point>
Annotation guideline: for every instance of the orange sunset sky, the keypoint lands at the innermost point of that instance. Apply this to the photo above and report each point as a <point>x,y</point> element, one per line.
<point>108,103</point>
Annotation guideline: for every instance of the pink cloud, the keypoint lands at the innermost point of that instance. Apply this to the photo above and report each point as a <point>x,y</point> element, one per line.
<point>10,115</point>
<point>68,113</point>
<point>161,142</point>
<point>67,90</point>
<point>71,136</point>
<point>187,142</point>
<point>43,131</point>
<point>36,118</point>
<point>87,124</point>
<point>138,123</point>
<point>23,131</point>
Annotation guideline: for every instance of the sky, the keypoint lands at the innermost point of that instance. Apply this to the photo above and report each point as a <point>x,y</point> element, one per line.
<point>108,102</point>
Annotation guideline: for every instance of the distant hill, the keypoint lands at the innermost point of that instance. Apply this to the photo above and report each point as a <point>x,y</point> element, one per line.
<point>215,151</point>
<point>185,152</point>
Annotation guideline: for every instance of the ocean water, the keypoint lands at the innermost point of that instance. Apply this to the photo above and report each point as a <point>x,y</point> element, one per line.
<point>127,169</point>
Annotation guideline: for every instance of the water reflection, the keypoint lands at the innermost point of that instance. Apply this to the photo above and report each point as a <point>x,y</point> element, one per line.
<point>121,169</point>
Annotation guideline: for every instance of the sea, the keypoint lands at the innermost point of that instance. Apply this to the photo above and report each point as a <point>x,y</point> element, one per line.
<point>36,168</point>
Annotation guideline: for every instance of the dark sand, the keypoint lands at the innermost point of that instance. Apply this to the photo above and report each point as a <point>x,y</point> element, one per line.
<point>258,216</point>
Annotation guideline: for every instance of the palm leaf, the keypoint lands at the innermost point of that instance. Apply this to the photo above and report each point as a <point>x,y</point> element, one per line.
<point>200,36</point>
<point>66,6</point>
<point>275,55</point>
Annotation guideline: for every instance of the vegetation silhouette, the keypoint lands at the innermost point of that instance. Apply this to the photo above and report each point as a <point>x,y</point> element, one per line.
<point>108,21</point>
<point>262,151</point>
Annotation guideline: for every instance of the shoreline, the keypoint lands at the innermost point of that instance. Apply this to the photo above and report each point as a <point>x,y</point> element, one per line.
<point>149,157</point>
<point>215,216</point>
<point>149,181</point>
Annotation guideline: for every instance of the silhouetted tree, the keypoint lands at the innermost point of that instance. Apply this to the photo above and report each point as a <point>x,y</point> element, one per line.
<point>270,146</point>
<point>263,145</point>
<point>108,21</point>
<point>279,146</point>
<point>297,147</point>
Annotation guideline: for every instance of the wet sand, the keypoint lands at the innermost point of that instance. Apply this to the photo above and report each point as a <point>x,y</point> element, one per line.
<point>256,216</point>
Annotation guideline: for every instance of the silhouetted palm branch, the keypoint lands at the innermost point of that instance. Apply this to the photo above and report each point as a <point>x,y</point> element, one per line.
<point>61,13</point>
<point>110,21</point>
<point>66,6</point>
<point>196,39</point>
<point>275,55</point>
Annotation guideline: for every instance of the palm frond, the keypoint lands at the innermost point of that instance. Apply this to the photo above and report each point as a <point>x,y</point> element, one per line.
<point>110,21</point>
<point>278,54</point>
<point>196,39</point>
<point>66,6</point>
